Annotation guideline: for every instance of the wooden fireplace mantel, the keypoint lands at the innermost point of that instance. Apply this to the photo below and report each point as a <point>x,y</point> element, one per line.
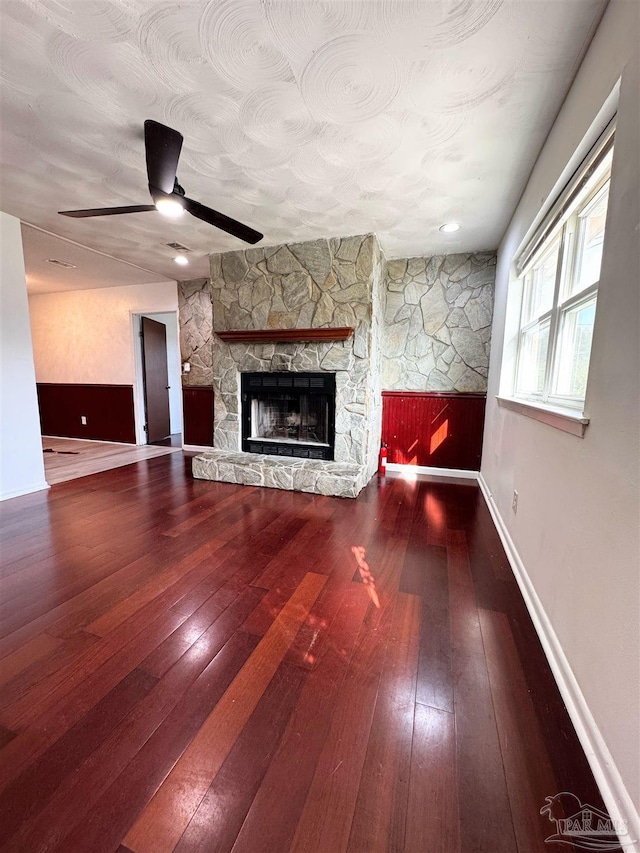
<point>270,336</point>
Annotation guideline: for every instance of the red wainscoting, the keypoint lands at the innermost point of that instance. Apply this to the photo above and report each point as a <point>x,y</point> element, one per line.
<point>107,408</point>
<point>197,413</point>
<point>440,430</point>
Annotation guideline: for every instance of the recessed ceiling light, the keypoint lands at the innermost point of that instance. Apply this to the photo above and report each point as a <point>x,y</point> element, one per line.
<point>170,207</point>
<point>449,227</point>
<point>182,260</point>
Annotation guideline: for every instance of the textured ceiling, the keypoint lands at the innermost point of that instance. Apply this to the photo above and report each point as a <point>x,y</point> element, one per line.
<point>301,118</point>
<point>89,268</point>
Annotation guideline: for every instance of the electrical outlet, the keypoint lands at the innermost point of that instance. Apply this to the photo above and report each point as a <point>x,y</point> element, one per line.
<point>83,420</point>
<point>514,502</point>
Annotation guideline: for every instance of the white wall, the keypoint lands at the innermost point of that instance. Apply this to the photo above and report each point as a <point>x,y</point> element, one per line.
<point>86,336</point>
<point>174,367</point>
<point>21,461</point>
<point>576,531</point>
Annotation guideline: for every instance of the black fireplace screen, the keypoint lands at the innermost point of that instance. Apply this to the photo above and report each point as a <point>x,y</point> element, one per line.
<point>288,414</point>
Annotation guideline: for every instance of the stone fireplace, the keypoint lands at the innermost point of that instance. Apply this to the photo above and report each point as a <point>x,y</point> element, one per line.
<point>289,313</point>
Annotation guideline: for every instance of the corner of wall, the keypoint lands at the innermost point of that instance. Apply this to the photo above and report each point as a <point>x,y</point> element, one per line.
<point>21,460</point>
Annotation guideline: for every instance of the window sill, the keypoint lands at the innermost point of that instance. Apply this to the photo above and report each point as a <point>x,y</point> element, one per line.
<point>564,419</point>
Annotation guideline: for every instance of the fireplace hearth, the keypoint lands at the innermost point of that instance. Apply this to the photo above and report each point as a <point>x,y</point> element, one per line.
<point>289,414</point>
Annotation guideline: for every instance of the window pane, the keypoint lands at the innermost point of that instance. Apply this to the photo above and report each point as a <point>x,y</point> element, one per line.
<point>591,231</point>
<point>534,345</point>
<point>574,349</point>
<point>544,282</point>
<point>560,297</point>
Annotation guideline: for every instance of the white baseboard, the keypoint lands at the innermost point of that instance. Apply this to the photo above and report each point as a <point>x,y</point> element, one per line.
<point>196,448</point>
<point>28,490</point>
<point>614,792</point>
<point>395,467</point>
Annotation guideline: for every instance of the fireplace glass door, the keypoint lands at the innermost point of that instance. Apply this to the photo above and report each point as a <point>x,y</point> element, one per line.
<point>289,414</point>
<point>299,420</point>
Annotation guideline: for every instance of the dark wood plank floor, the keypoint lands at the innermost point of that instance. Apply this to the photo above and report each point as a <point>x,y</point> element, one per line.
<point>198,666</point>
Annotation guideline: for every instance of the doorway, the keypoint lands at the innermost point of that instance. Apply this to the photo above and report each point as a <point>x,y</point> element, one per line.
<point>158,380</point>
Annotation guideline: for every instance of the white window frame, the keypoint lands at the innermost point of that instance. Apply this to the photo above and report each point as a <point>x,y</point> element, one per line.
<point>560,227</point>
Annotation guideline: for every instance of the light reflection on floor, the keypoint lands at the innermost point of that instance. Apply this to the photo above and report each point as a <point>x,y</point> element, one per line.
<point>368,579</point>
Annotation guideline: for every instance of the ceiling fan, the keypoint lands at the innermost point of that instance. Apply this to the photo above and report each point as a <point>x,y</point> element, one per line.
<point>162,148</point>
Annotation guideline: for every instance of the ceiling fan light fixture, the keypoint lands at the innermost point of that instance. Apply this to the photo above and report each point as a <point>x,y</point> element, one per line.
<point>181,260</point>
<point>449,227</point>
<point>169,207</point>
<point>162,147</point>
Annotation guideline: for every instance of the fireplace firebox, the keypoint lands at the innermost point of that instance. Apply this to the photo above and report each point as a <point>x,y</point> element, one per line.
<point>289,414</point>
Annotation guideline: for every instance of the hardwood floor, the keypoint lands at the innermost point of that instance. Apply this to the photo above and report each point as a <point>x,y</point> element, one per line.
<point>198,666</point>
<point>174,440</point>
<point>70,458</point>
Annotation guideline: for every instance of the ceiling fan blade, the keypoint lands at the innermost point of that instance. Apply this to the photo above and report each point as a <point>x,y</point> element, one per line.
<point>225,223</point>
<point>162,148</point>
<point>107,211</point>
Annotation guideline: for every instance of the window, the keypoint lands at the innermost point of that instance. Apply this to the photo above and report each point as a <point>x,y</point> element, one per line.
<point>559,278</point>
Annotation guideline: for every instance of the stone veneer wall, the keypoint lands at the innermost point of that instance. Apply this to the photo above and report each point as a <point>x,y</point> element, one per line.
<point>196,325</point>
<point>321,283</point>
<point>437,323</point>
<point>422,324</point>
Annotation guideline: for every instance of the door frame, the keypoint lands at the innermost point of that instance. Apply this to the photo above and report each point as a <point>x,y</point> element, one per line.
<point>138,373</point>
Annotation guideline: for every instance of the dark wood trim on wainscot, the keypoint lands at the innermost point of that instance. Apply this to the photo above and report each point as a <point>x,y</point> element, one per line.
<point>107,408</point>
<point>439,429</point>
<point>466,395</point>
<point>336,333</point>
<point>197,415</point>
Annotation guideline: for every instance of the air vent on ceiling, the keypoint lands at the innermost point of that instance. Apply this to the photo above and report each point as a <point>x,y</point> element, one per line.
<point>178,247</point>
<point>64,264</point>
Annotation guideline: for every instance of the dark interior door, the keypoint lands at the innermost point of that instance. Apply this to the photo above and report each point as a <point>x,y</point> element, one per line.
<point>156,379</point>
